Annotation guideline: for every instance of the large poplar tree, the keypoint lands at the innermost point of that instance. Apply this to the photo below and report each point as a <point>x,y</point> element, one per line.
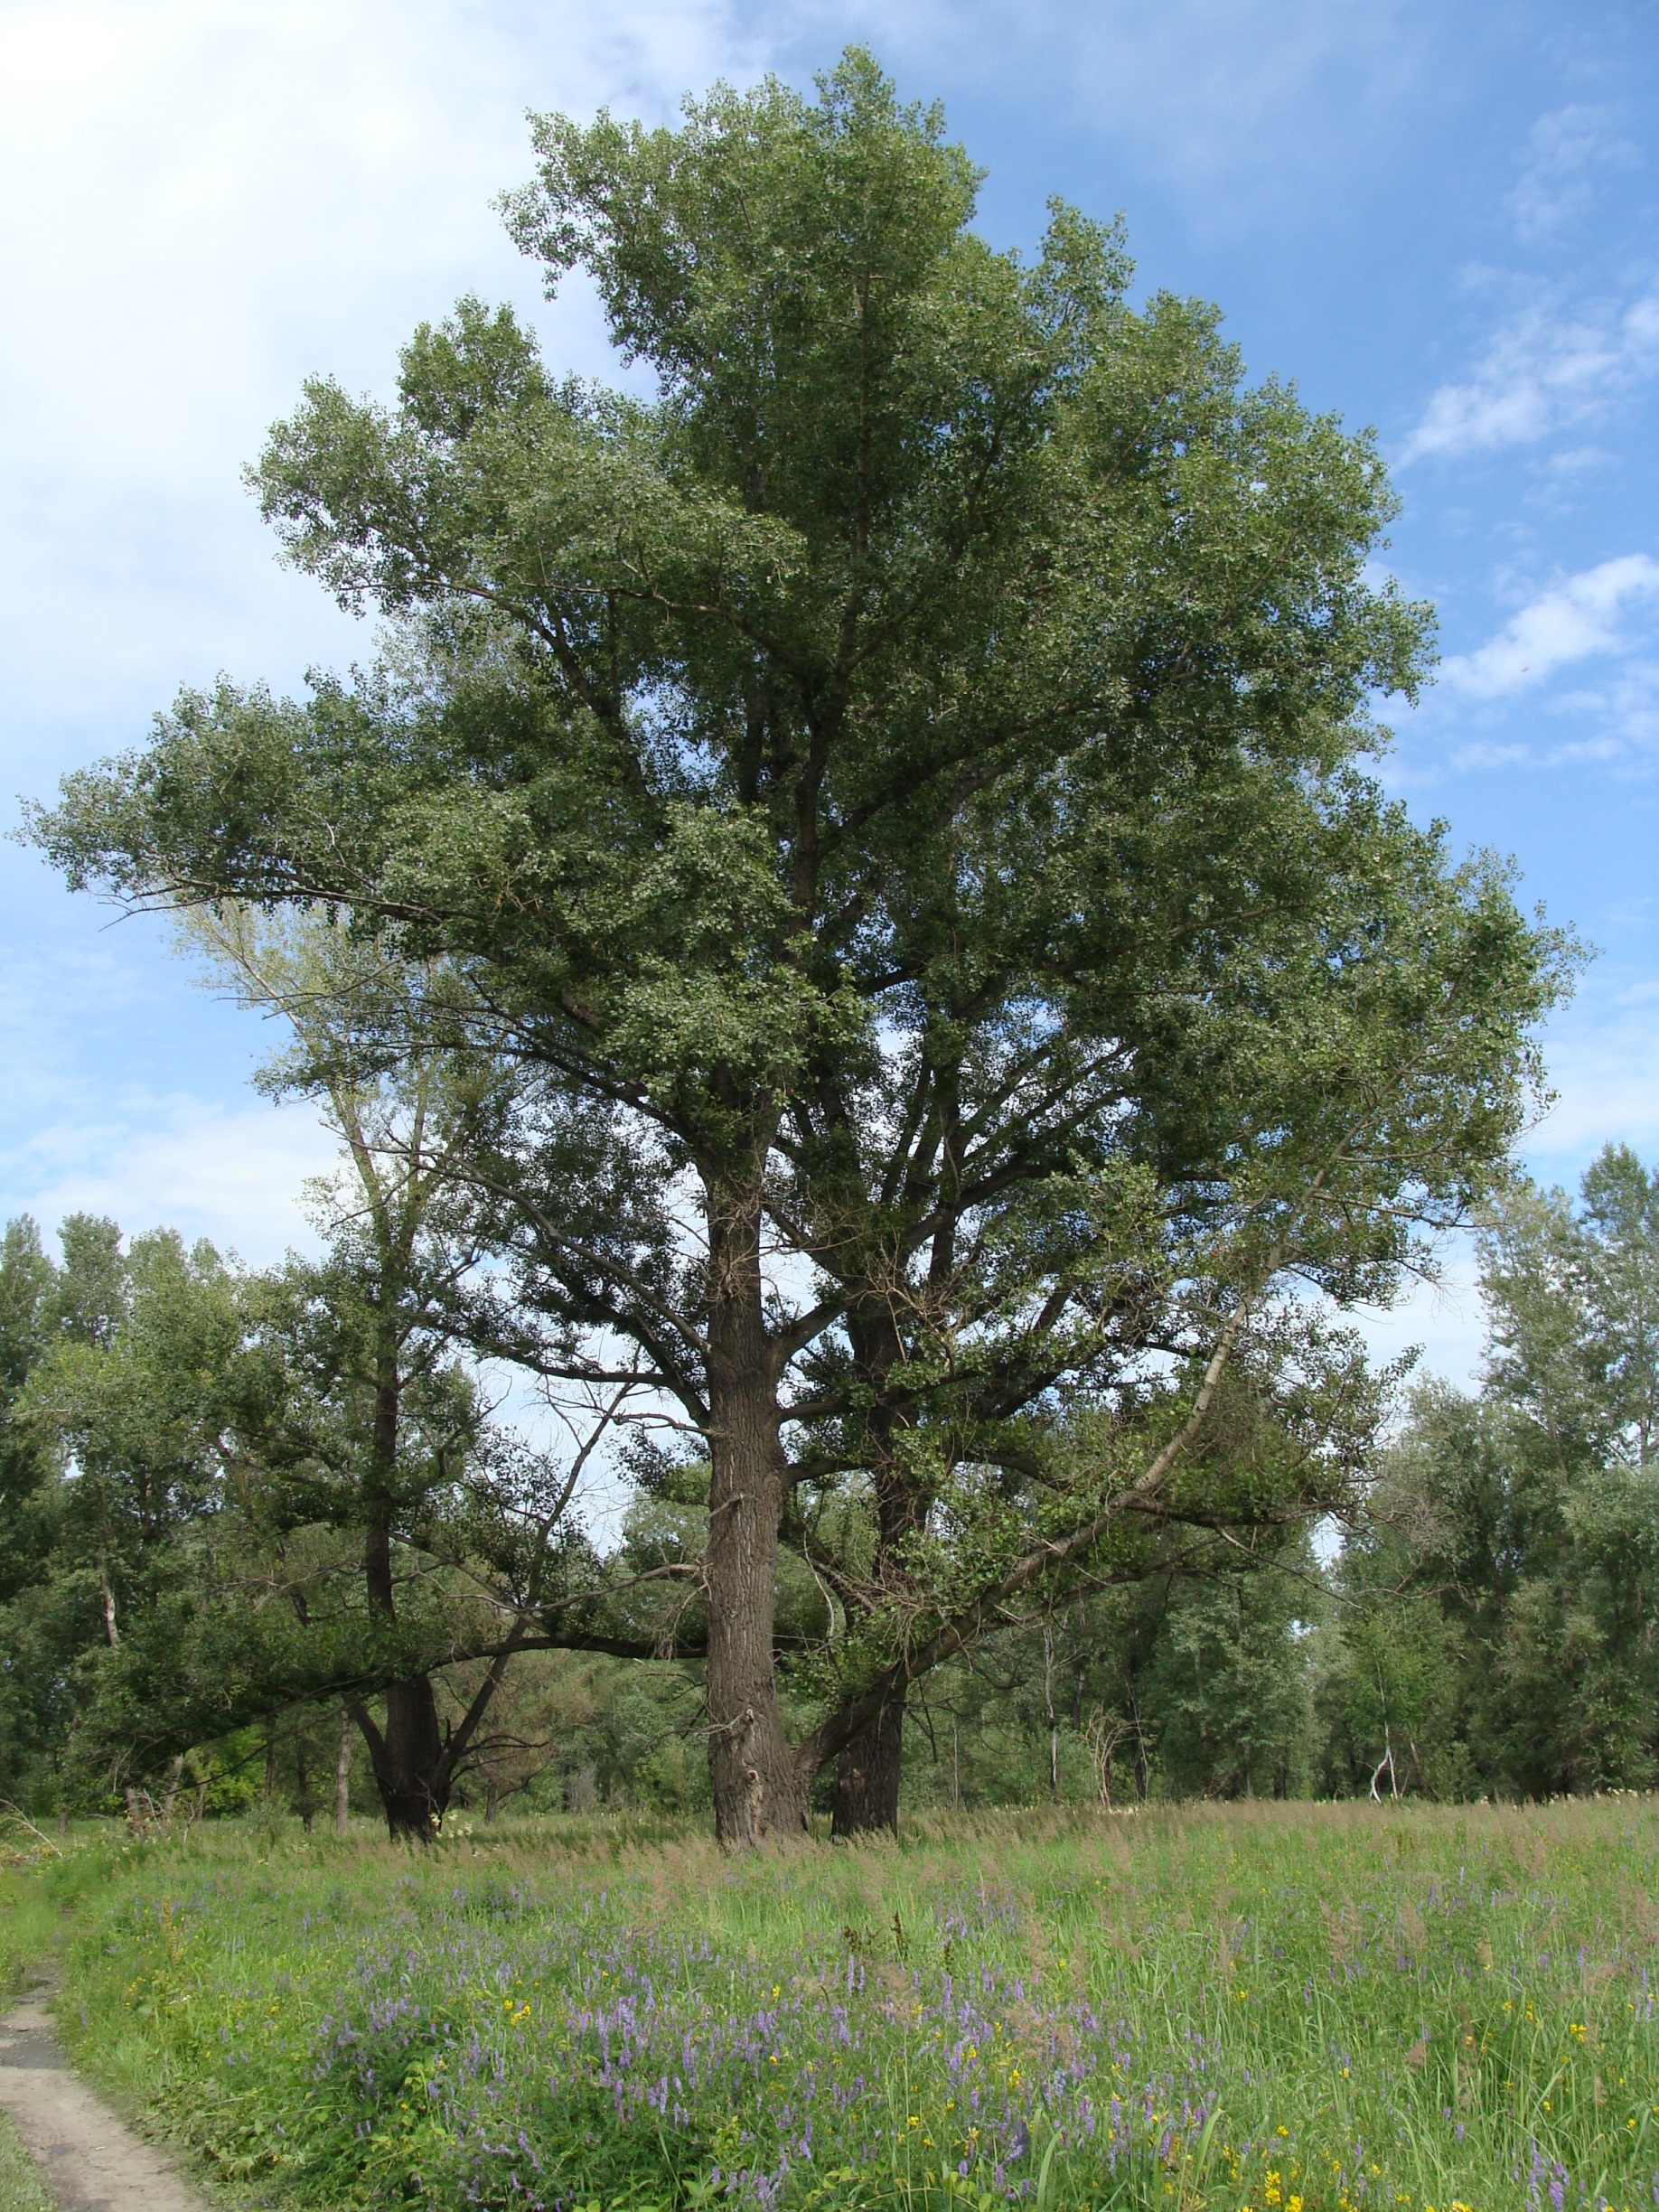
<point>895,797</point>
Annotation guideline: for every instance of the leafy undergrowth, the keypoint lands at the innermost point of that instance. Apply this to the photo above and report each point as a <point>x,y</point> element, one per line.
<point>1289,2009</point>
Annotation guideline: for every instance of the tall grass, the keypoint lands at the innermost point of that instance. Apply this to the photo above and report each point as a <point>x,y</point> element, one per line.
<point>21,2187</point>
<point>1292,2009</point>
<point>28,1920</point>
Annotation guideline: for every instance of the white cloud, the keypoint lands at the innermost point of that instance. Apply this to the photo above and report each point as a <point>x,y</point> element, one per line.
<point>1604,1063</point>
<point>1603,1056</point>
<point>233,1175</point>
<point>1568,623</point>
<point>204,201</point>
<point>1444,1321</point>
<point>1567,153</point>
<point>1540,374</point>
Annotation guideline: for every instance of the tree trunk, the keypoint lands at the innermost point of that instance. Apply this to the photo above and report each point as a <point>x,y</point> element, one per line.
<point>306,1805</point>
<point>867,1777</point>
<point>760,1789</point>
<point>414,1767</point>
<point>405,1757</point>
<point>870,1769</point>
<point>1048,1705</point>
<point>342,1775</point>
<point>867,1780</point>
<point>407,1769</point>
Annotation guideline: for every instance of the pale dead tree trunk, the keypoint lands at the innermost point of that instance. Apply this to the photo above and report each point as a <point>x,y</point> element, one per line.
<point>759,1782</point>
<point>342,1775</point>
<point>1106,1731</point>
<point>1387,1760</point>
<point>1143,1772</point>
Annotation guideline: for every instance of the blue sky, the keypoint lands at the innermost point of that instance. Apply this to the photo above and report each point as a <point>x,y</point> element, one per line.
<point>1443,222</point>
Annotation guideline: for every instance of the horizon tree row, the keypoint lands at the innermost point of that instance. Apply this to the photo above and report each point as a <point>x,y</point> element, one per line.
<point>1488,1626</point>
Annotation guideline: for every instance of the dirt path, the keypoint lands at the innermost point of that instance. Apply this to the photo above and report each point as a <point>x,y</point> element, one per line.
<point>90,2160</point>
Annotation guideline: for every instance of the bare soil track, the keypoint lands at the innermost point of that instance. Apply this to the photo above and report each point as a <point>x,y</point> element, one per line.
<point>90,2160</point>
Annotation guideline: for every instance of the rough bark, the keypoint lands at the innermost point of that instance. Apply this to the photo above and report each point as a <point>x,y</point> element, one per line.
<point>411,1748</point>
<point>869,1769</point>
<point>342,1775</point>
<point>867,1778</point>
<point>759,1784</point>
<point>405,1755</point>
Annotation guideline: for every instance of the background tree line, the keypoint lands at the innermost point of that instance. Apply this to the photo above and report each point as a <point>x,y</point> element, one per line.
<point>1487,1626</point>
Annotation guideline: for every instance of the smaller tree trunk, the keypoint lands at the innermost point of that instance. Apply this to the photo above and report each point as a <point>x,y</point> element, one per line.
<point>412,1747</point>
<point>407,1758</point>
<point>302,1776</point>
<point>1143,1772</point>
<point>868,1775</point>
<point>1048,1707</point>
<point>342,1775</point>
<point>871,1767</point>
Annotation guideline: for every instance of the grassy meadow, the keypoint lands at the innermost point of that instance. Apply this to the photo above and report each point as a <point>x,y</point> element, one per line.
<point>1284,2008</point>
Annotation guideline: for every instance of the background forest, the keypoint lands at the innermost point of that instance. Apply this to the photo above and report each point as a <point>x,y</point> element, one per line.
<point>1484,1624</point>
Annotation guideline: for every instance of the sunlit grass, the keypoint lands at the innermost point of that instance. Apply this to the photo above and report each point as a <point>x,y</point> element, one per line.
<point>1293,2009</point>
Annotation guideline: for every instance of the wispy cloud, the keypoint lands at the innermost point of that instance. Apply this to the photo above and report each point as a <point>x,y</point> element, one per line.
<point>1604,1063</point>
<point>1572,620</point>
<point>1568,154</point>
<point>234,1175</point>
<point>1543,373</point>
<point>1192,90</point>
